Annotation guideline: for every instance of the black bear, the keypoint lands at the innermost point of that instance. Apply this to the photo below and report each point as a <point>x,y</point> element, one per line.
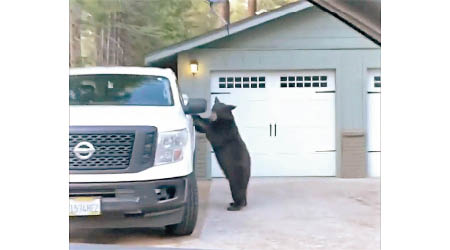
<point>231,152</point>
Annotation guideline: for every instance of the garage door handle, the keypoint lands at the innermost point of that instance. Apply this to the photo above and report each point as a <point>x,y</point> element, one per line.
<point>220,93</point>
<point>270,129</point>
<point>325,91</point>
<point>325,151</point>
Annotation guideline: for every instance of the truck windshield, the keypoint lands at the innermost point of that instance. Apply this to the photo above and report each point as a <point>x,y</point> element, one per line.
<point>115,89</point>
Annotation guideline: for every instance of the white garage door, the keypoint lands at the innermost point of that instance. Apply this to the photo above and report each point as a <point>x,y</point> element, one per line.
<point>373,123</point>
<point>287,120</point>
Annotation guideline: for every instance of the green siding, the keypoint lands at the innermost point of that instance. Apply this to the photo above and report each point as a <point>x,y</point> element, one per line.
<point>310,39</point>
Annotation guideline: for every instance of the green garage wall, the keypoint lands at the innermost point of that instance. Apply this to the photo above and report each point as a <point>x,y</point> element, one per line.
<point>310,39</point>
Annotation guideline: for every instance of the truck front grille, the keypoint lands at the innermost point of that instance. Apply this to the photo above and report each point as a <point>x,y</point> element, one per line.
<point>112,151</point>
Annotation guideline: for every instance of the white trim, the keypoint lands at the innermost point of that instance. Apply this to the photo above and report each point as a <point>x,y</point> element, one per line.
<point>223,32</point>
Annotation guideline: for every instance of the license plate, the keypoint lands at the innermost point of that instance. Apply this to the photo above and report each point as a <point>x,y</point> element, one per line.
<point>84,206</point>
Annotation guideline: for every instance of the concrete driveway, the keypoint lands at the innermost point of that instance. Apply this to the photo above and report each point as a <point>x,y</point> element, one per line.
<point>282,213</point>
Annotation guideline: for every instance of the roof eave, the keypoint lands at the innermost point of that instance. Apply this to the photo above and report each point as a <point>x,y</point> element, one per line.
<point>369,29</point>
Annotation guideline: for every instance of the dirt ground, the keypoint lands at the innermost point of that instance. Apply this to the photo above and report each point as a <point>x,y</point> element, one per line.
<point>282,213</point>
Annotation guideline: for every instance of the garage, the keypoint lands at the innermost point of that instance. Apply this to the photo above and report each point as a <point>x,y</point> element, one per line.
<point>373,123</point>
<point>286,118</point>
<point>300,79</point>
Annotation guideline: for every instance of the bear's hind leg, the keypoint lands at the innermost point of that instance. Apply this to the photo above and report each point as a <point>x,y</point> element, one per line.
<point>245,202</point>
<point>239,198</point>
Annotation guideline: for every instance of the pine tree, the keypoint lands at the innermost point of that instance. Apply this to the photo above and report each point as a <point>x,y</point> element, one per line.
<point>122,32</point>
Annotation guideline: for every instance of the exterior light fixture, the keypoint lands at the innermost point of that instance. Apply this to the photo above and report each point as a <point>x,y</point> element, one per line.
<point>194,67</point>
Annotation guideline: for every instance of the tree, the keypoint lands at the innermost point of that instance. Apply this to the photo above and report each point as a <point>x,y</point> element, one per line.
<point>122,32</point>
<point>74,32</point>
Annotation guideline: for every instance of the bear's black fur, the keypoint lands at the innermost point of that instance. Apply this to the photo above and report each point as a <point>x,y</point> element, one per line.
<point>230,150</point>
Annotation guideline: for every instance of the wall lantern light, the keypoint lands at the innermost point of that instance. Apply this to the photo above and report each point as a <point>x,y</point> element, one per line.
<point>194,67</point>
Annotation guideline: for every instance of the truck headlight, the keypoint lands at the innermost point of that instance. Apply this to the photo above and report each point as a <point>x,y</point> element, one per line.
<point>170,146</point>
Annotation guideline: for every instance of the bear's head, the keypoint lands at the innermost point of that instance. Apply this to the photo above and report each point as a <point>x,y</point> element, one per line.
<point>221,111</point>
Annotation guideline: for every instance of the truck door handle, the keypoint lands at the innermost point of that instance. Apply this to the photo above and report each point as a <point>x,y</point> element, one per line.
<point>270,129</point>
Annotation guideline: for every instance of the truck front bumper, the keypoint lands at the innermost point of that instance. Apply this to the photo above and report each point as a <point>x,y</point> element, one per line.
<point>153,203</point>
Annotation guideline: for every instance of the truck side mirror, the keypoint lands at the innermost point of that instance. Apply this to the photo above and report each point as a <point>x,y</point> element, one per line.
<point>195,106</point>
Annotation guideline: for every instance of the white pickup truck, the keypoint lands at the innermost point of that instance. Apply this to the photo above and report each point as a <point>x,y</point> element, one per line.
<point>131,150</point>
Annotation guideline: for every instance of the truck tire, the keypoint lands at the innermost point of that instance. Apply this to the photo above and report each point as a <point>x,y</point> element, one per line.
<point>186,227</point>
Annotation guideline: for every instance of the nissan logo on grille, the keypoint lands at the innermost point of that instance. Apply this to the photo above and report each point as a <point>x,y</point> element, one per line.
<point>84,150</point>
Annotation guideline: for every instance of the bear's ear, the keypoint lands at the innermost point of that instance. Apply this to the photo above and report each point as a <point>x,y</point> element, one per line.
<point>216,100</point>
<point>231,107</point>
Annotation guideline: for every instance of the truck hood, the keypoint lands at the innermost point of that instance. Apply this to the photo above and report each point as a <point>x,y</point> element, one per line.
<point>164,118</point>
